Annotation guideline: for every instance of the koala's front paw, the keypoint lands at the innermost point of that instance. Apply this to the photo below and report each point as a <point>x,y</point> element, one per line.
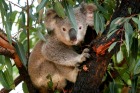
<point>84,55</point>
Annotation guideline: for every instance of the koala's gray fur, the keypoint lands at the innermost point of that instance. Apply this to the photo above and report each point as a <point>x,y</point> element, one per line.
<point>56,56</point>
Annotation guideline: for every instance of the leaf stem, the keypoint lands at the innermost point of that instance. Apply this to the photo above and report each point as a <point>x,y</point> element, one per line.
<point>28,35</point>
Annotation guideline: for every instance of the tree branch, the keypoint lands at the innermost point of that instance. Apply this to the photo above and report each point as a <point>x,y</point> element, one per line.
<point>89,81</point>
<point>11,52</point>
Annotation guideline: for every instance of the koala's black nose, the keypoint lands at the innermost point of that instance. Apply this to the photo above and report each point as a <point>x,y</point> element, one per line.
<point>72,34</point>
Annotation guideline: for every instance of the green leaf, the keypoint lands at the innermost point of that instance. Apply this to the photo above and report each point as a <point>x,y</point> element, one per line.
<point>113,87</point>
<point>22,36</point>
<point>1,66</point>
<point>9,66</point>
<point>115,23</point>
<point>137,68</point>
<point>137,21</point>
<point>39,34</point>
<point>72,2</point>
<point>70,14</point>
<point>41,5</point>
<point>9,79</point>
<point>23,21</point>
<point>112,46</point>
<point>128,35</point>
<point>59,9</point>
<point>21,52</point>
<point>3,80</point>
<point>96,22</point>
<point>8,32</point>
<point>120,56</point>
<point>134,84</point>
<point>112,32</point>
<point>102,23</point>
<point>50,83</point>
<point>56,91</point>
<point>24,87</point>
<point>13,16</point>
<point>134,48</point>
<point>2,60</point>
<point>5,5</point>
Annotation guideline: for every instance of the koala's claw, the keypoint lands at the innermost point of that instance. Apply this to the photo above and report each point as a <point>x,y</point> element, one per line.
<point>86,50</point>
<point>84,55</point>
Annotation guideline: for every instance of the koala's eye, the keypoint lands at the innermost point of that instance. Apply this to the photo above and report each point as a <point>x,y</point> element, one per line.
<point>80,27</point>
<point>64,29</point>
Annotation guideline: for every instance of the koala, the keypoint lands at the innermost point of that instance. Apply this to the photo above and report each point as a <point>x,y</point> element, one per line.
<point>56,57</point>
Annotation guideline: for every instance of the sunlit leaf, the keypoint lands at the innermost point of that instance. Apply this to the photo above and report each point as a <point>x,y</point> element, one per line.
<point>59,9</point>
<point>96,22</point>
<point>41,5</point>
<point>3,80</point>
<point>112,32</point>
<point>9,79</point>
<point>128,35</point>
<point>115,23</point>
<point>21,52</point>
<point>137,68</point>
<point>120,56</point>
<point>102,23</point>
<point>24,87</point>
<point>137,21</point>
<point>8,32</point>
<point>112,46</point>
<point>72,2</point>
<point>9,66</point>
<point>40,35</point>
<point>70,14</point>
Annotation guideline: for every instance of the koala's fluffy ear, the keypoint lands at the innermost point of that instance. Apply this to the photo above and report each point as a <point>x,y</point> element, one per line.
<point>89,9</point>
<point>50,19</point>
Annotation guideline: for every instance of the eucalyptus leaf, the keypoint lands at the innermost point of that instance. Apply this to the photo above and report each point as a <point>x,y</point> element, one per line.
<point>8,32</point>
<point>59,9</point>
<point>128,35</point>
<point>137,21</point>
<point>24,87</point>
<point>112,46</point>
<point>9,79</point>
<point>102,23</point>
<point>9,66</point>
<point>3,80</point>
<point>115,23</point>
<point>70,14</point>
<point>96,22</point>
<point>41,5</point>
<point>137,68</point>
<point>120,56</point>
<point>134,48</point>
<point>21,52</point>
<point>40,35</point>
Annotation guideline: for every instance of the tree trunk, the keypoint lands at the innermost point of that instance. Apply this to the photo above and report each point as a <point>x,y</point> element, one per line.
<point>89,80</point>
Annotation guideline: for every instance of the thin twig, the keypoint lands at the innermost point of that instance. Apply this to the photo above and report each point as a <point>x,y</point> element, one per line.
<point>28,20</point>
<point>32,2</point>
<point>14,4</point>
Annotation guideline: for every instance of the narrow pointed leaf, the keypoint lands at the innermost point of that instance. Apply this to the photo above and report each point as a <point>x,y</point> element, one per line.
<point>70,14</point>
<point>59,9</point>
<point>120,56</point>
<point>41,5</point>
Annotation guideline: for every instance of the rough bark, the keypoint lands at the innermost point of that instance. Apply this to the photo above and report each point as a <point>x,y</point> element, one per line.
<point>89,80</point>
